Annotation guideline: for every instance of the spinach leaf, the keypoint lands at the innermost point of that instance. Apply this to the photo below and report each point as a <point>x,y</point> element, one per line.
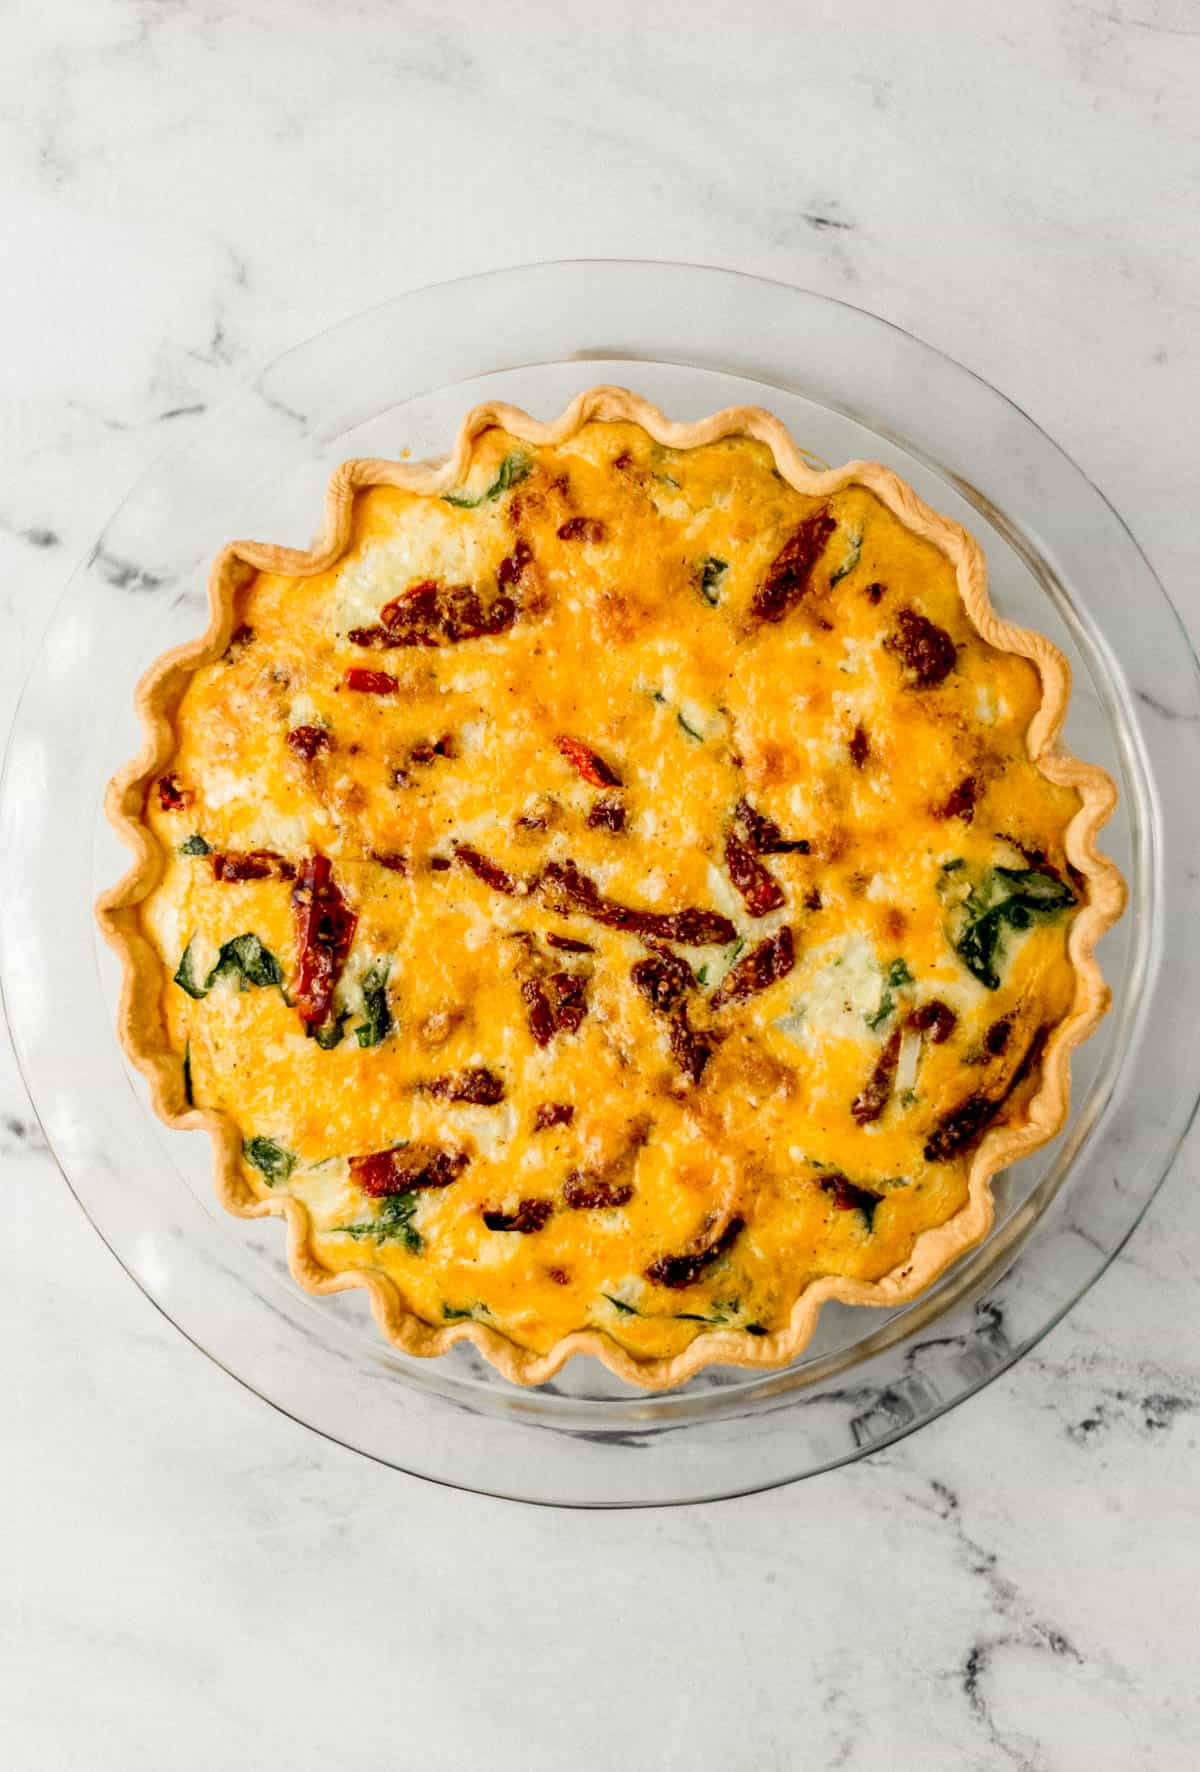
<point>711,574</point>
<point>247,959</point>
<point>690,730</point>
<point>1006,899</point>
<point>513,469</point>
<point>392,1224</point>
<point>850,559</point>
<point>185,978</point>
<point>195,845</point>
<point>330,1035</point>
<point>187,1075</point>
<point>272,1161</point>
<point>722,1315</point>
<point>896,977</point>
<point>375,1006</point>
<point>626,1310</point>
<point>455,1313</point>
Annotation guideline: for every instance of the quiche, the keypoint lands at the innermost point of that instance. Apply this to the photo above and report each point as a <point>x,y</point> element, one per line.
<point>620,890</point>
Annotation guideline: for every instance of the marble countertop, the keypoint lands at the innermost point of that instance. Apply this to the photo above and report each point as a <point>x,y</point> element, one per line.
<point>190,1579</point>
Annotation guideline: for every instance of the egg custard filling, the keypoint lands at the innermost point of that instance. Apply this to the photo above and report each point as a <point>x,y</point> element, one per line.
<point>617,893</point>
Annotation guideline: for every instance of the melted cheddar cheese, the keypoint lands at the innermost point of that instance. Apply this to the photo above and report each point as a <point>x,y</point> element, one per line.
<point>532,727</point>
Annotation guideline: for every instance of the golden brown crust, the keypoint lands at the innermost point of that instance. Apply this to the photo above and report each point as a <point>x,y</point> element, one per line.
<point>140,1024</point>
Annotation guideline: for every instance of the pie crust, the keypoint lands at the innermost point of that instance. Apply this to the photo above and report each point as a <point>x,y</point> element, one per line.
<point>141,1027</point>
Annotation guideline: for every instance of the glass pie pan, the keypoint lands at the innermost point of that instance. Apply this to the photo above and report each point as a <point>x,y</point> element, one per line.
<point>401,377</point>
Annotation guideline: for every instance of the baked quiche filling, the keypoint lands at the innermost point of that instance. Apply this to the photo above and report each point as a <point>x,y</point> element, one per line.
<point>616,894</point>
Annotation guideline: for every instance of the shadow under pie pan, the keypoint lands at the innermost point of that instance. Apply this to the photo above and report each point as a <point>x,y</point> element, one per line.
<point>847,386</point>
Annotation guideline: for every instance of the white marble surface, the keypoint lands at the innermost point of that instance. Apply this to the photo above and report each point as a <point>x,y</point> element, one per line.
<point>188,1579</point>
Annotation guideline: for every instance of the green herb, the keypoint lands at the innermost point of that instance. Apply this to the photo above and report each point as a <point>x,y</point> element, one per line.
<point>375,1006</point>
<point>246,958</point>
<point>453,1313</point>
<point>513,469</point>
<point>187,1075</point>
<point>273,1163</point>
<point>908,1099</point>
<point>850,559</point>
<point>626,1310</point>
<point>724,1310</point>
<point>185,978</point>
<point>195,845</point>
<point>392,1224</point>
<point>330,1035</point>
<point>896,977</point>
<point>867,1210</point>
<point>711,574</point>
<point>690,730</point>
<point>702,974</point>
<point>1006,899</point>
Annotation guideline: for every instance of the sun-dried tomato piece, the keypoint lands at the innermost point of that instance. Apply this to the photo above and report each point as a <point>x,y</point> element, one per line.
<point>391,859</point>
<point>490,872</point>
<point>870,1103</point>
<point>306,741</point>
<point>788,578</point>
<point>434,614</point>
<point>538,1011</point>
<point>568,944</point>
<point>171,796</point>
<point>960,802</point>
<point>756,971</point>
<point>762,834</point>
<point>369,682</point>
<point>860,747</point>
<point>552,1113</point>
<point>555,1003</point>
<point>934,1018</point>
<point>586,763</point>
<point>678,1271</point>
<point>407,1168</point>
<point>690,1049</point>
<point>566,888</point>
<point>998,1035</point>
<point>663,979</point>
<point>569,994</point>
<point>478,1085</point>
<point>961,1128</point>
<point>608,1185</point>
<point>847,1196</point>
<point>607,814</point>
<point>251,864</point>
<point>760,890</point>
<point>512,567</point>
<point>927,650</point>
<point>589,529</point>
<point>529,1216</point>
<point>585,1191</point>
<point>427,751</point>
<point>874,592</point>
<point>325,927</point>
